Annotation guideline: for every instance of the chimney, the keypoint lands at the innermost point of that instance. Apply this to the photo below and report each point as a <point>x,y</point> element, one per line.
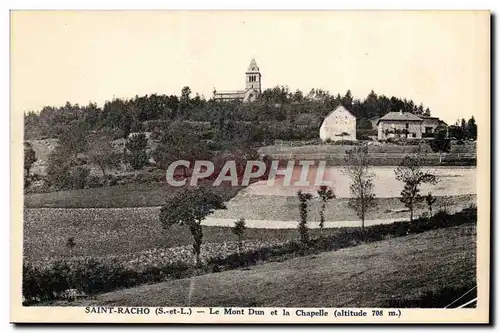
<point>401,111</point>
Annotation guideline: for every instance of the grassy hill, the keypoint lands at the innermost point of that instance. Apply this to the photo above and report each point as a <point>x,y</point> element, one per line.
<point>417,270</point>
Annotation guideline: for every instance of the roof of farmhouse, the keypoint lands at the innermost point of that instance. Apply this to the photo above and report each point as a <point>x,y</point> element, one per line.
<point>339,108</point>
<point>401,116</point>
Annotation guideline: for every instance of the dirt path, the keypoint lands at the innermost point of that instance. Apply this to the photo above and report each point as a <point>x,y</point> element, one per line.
<point>275,224</point>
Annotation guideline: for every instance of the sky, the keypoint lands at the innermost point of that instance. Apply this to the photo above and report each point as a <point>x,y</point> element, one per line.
<point>440,59</point>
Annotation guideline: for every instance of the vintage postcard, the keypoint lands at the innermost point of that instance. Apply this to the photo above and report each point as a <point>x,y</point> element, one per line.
<point>250,166</point>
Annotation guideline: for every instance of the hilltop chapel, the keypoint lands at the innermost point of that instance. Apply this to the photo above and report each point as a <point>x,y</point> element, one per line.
<point>252,87</point>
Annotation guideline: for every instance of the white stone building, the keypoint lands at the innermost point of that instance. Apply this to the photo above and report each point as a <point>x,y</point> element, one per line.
<point>339,124</point>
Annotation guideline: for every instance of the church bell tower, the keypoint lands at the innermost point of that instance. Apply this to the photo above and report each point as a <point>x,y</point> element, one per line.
<point>253,77</point>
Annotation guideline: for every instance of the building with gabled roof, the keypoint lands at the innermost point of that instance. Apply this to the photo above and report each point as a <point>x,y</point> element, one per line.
<point>399,125</point>
<point>252,87</point>
<point>339,124</point>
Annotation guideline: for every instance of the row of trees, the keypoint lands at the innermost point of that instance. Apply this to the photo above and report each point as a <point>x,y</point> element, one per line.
<point>277,104</point>
<point>190,207</point>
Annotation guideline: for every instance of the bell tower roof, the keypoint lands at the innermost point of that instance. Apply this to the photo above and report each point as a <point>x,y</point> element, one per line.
<point>253,66</point>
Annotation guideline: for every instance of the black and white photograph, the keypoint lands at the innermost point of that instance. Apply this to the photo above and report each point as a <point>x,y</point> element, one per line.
<point>250,166</point>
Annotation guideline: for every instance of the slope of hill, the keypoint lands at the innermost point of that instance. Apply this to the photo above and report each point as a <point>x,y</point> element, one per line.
<point>396,271</point>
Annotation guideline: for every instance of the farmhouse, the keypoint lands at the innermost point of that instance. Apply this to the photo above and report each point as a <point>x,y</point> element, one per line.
<point>252,87</point>
<point>339,124</point>
<point>399,125</point>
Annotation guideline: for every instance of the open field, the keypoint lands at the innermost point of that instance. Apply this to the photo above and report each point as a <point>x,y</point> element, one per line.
<point>127,195</point>
<point>104,232</point>
<point>398,270</point>
<point>113,231</point>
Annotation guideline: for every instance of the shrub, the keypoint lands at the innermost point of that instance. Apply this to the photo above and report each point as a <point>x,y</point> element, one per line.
<point>94,182</point>
<point>79,177</point>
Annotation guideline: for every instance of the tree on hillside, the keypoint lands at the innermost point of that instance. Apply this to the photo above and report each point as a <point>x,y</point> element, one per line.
<point>347,100</point>
<point>325,193</point>
<point>180,142</point>
<point>185,94</point>
<point>73,141</point>
<point>58,169</point>
<point>102,153</point>
<point>125,124</point>
<point>361,182</point>
<point>304,232</point>
<point>136,145</point>
<point>29,158</point>
<point>440,144</point>
<point>239,230</point>
<point>410,172</point>
<point>190,207</point>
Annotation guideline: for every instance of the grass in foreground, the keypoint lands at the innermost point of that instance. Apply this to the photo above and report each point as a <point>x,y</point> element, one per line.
<point>372,275</point>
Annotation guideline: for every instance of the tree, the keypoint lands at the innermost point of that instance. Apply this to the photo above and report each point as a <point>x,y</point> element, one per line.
<point>457,132</point>
<point>190,207</point>
<point>430,199</point>
<point>364,124</point>
<point>125,124</point>
<point>361,182</point>
<point>59,169</point>
<point>137,146</point>
<point>440,144</point>
<point>325,193</point>
<point>73,141</point>
<point>463,125</point>
<point>29,158</point>
<point>303,199</point>
<point>347,100</point>
<point>239,230</point>
<point>410,172</point>
<point>472,129</point>
<point>102,153</point>
<point>185,94</point>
